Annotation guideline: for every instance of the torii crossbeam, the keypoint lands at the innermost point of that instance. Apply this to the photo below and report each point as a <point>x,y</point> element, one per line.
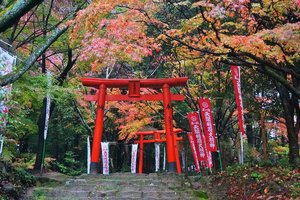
<point>133,86</point>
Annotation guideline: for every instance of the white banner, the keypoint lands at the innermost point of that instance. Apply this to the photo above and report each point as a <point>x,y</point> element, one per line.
<point>164,164</point>
<point>88,155</point>
<point>105,157</point>
<point>133,158</point>
<point>157,156</point>
<point>47,116</point>
<point>1,144</point>
<point>48,103</point>
<point>6,64</point>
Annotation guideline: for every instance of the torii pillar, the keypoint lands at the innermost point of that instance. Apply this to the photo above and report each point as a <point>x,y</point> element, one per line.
<point>98,130</point>
<point>134,85</point>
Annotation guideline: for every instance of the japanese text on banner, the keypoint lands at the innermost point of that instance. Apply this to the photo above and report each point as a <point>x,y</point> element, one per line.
<point>196,129</point>
<point>208,124</point>
<point>105,157</point>
<point>133,158</point>
<point>236,79</point>
<point>194,152</point>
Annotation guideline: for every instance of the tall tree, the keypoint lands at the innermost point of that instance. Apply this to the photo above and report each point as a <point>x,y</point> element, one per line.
<point>11,15</point>
<point>262,35</point>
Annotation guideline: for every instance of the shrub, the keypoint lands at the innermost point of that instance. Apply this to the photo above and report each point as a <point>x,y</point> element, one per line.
<point>24,178</point>
<point>69,165</point>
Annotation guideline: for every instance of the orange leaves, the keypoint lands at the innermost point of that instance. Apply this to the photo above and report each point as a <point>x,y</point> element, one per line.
<point>134,116</point>
<point>112,31</point>
<point>236,25</point>
<point>203,4</point>
<point>275,45</point>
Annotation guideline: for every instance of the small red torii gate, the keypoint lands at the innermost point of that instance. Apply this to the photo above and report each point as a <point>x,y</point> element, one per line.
<point>133,86</point>
<point>156,139</point>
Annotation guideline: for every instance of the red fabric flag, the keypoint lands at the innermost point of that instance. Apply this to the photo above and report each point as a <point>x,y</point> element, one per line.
<point>209,160</point>
<point>208,124</point>
<point>192,141</point>
<point>196,129</point>
<point>235,73</point>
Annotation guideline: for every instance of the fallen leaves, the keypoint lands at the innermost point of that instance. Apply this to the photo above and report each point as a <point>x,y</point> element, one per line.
<point>260,183</point>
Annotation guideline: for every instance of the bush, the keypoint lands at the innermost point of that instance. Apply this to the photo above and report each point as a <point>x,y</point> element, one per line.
<point>14,182</point>
<point>257,176</point>
<point>25,161</point>
<point>236,169</point>
<point>69,165</point>
<point>251,154</point>
<point>24,178</point>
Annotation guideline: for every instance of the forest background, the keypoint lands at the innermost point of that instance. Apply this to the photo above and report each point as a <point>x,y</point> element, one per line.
<point>70,39</point>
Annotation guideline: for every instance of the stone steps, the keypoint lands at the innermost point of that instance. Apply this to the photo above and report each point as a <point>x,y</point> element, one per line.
<point>120,186</point>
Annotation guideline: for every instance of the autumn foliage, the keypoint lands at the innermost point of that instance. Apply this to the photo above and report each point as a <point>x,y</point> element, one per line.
<point>108,32</point>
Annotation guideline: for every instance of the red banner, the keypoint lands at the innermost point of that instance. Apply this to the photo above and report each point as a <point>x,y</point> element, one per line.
<point>208,124</point>
<point>235,73</point>
<point>196,129</point>
<point>209,160</point>
<point>192,137</point>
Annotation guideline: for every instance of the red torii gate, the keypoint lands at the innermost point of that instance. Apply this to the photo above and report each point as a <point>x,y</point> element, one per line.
<point>157,139</point>
<point>134,85</point>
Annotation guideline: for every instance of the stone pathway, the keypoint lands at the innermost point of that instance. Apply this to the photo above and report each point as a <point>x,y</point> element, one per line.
<point>119,186</point>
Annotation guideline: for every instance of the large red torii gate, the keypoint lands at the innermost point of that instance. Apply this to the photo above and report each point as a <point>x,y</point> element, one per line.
<point>133,86</point>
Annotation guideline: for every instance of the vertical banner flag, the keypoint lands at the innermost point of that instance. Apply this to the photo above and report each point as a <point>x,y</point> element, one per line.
<point>208,124</point>
<point>194,152</point>
<point>48,103</point>
<point>209,160</point>
<point>183,159</point>
<point>105,157</point>
<point>6,64</point>
<point>235,73</point>
<point>47,116</point>
<point>196,130</point>
<point>164,164</point>
<point>1,144</point>
<point>157,156</point>
<point>88,154</point>
<point>133,158</point>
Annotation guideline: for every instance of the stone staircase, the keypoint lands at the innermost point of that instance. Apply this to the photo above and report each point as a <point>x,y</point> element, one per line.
<point>119,186</point>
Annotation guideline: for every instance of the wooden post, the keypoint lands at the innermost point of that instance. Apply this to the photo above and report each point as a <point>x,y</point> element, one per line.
<point>141,154</point>
<point>171,160</point>
<point>176,154</point>
<point>98,129</point>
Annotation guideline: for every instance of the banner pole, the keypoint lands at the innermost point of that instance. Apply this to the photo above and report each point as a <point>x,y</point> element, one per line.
<point>242,149</point>
<point>219,148</point>
<point>219,153</point>
<point>47,117</point>
<point>43,157</point>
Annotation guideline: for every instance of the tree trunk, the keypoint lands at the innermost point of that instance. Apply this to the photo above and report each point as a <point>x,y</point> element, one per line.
<point>20,8</point>
<point>263,135</point>
<point>250,135</point>
<point>40,144</point>
<point>12,77</point>
<point>291,109</point>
